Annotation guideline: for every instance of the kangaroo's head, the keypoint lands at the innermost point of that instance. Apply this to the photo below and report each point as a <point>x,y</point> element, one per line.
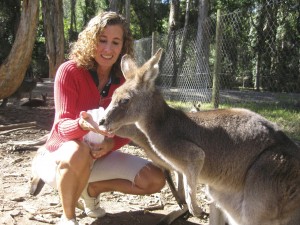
<point>131,100</point>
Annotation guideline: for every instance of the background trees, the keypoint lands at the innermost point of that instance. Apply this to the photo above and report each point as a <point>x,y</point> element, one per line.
<point>21,40</point>
<point>260,44</point>
<point>54,33</point>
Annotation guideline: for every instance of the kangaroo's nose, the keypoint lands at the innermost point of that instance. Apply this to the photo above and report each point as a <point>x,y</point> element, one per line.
<point>102,121</point>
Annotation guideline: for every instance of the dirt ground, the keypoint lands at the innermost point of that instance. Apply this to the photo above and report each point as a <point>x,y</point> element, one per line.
<point>19,207</point>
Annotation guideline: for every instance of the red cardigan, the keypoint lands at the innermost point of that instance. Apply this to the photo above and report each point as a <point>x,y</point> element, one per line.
<point>75,91</point>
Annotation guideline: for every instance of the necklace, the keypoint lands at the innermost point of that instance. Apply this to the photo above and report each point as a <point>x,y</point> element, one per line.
<point>105,89</point>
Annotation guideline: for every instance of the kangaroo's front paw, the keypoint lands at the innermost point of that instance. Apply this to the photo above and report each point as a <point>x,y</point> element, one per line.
<point>204,215</point>
<point>198,212</point>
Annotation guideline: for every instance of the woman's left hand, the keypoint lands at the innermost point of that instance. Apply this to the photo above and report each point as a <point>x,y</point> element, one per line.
<point>103,149</point>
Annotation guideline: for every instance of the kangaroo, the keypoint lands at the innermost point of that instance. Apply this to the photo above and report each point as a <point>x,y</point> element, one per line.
<point>251,168</point>
<point>28,84</point>
<point>35,102</point>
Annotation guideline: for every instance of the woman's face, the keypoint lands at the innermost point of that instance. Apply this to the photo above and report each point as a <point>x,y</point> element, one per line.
<point>109,46</point>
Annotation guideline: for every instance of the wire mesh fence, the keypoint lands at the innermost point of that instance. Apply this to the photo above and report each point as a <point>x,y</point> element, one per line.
<point>259,56</point>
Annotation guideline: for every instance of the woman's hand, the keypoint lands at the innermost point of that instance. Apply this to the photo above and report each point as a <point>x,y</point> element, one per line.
<point>86,122</point>
<point>102,149</point>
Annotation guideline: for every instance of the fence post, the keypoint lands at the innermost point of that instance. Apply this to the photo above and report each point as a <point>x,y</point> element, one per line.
<point>217,65</point>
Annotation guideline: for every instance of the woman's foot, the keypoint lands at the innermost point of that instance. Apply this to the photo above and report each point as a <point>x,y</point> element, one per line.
<point>91,205</point>
<point>65,221</point>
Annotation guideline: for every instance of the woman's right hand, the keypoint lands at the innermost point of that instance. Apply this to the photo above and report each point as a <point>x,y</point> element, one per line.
<point>86,122</point>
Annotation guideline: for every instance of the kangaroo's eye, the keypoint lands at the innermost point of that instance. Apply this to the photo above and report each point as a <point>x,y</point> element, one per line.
<point>124,101</point>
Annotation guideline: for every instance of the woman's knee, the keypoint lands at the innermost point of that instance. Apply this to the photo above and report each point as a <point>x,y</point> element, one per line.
<point>74,154</point>
<point>151,179</point>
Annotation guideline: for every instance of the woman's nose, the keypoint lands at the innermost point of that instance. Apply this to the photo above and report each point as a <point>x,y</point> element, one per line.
<point>108,47</point>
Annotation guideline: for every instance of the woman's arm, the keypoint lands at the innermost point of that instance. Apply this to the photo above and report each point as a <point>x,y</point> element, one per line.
<point>67,89</point>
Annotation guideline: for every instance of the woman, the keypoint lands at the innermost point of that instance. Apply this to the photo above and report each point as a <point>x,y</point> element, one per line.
<point>87,81</point>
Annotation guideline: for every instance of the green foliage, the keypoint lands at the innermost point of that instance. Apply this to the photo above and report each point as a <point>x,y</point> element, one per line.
<point>86,9</point>
<point>232,5</point>
<point>260,44</point>
<point>140,18</point>
<point>262,30</point>
<point>39,60</point>
<point>9,19</point>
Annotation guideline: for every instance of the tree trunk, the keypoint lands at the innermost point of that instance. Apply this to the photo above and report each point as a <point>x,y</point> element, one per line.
<point>217,64</point>
<point>73,26</point>
<point>173,20</point>
<point>152,16</point>
<point>127,11</point>
<point>202,66</point>
<point>12,70</point>
<point>89,11</point>
<point>184,36</point>
<point>54,33</point>
<point>259,48</point>
<point>173,17</point>
<point>113,5</point>
<point>270,31</point>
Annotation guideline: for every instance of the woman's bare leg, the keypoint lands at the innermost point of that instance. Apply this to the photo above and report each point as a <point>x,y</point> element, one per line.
<point>72,174</point>
<point>149,180</point>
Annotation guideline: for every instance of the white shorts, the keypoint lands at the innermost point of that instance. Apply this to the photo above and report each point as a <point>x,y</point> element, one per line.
<point>116,165</point>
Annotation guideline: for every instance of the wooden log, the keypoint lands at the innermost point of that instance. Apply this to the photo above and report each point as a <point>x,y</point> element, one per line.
<point>17,125</point>
<point>16,129</point>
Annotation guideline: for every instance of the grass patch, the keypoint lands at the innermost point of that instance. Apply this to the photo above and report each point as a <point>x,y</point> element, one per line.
<point>287,118</point>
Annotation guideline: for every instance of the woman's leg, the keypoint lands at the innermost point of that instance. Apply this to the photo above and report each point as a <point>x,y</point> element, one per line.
<point>73,170</point>
<point>149,180</point>
<point>125,173</point>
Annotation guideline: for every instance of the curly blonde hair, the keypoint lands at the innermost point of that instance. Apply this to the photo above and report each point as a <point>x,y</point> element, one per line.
<point>83,50</point>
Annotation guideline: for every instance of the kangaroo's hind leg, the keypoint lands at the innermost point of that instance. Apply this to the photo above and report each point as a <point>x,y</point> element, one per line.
<point>275,197</point>
<point>216,216</point>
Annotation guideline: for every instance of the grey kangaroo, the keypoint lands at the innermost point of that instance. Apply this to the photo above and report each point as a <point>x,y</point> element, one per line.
<point>251,168</point>
<point>27,86</point>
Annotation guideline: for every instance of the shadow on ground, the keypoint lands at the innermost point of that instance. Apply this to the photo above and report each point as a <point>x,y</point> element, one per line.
<point>136,218</point>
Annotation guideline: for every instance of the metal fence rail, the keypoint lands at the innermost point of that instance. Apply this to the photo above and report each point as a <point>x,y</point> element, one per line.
<point>259,55</point>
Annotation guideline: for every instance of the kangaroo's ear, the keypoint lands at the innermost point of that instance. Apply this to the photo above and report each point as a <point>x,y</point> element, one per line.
<point>128,65</point>
<point>152,67</point>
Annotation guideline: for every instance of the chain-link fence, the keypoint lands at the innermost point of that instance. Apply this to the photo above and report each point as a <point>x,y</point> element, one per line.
<point>255,56</point>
